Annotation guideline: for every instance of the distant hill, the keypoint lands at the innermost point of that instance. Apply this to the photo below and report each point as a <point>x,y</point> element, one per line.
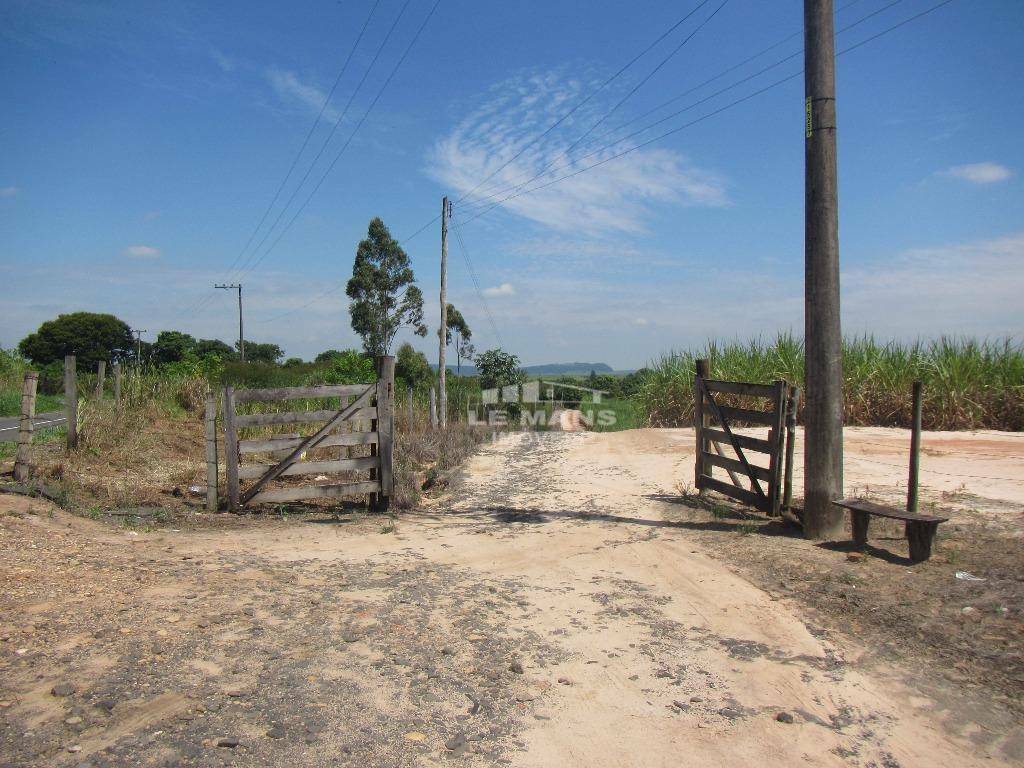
<point>571,369</point>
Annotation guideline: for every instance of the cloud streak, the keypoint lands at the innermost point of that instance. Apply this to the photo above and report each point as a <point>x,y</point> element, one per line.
<point>619,196</point>
<point>291,89</point>
<point>979,173</point>
<point>505,289</point>
<point>9,191</point>
<point>142,252</point>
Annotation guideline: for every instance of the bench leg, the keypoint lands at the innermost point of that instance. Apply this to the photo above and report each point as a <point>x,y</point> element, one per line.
<point>859,521</point>
<point>919,537</point>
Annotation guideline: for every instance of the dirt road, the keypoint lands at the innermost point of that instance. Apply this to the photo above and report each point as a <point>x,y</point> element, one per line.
<point>551,612</point>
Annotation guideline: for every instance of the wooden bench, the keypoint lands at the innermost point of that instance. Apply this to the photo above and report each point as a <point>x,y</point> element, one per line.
<point>920,528</point>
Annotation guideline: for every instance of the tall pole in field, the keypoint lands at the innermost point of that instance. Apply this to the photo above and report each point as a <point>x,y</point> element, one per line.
<point>442,371</point>
<point>138,345</point>
<point>823,408</point>
<point>241,334</point>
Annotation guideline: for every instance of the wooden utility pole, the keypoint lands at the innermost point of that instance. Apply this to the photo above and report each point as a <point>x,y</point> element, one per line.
<point>442,371</point>
<point>138,343</point>
<point>241,334</point>
<point>823,396</point>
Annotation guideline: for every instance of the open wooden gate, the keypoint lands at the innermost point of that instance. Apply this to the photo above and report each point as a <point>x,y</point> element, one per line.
<point>361,406</point>
<point>719,445</point>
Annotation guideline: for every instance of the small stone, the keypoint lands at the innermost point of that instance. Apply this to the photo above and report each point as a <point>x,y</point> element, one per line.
<point>228,741</point>
<point>696,699</point>
<point>730,713</point>
<point>447,651</point>
<point>854,557</point>
<point>415,736</point>
<point>516,667</point>
<point>107,704</point>
<point>680,705</point>
<point>277,732</point>
<point>75,748</point>
<point>74,720</point>
<point>525,697</point>
<point>564,681</point>
<point>62,689</point>
<point>784,717</point>
<point>456,741</point>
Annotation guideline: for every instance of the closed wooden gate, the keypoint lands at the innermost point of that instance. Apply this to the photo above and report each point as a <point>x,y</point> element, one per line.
<point>720,445</point>
<point>365,417</point>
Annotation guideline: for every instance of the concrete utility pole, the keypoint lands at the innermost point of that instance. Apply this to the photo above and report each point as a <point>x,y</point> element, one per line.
<point>138,344</point>
<point>823,409</point>
<point>442,370</point>
<point>241,335</point>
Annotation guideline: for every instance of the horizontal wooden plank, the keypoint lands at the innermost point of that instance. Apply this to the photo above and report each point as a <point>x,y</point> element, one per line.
<point>252,471</point>
<point>741,415</point>
<point>881,510</point>
<point>301,492</point>
<point>744,441</point>
<point>294,393</point>
<point>296,417</point>
<point>741,388</point>
<point>740,494</point>
<point>287,443</point>
<point>735,465</point>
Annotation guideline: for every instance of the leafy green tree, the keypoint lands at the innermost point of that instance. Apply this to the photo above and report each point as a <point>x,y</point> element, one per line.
<point>349,367</point>
<point>381,288</point>
<point>327,355</point>
<point>89,336</point>
<point>293,362</point>
<point>214,348</point>
<point>172,347</point>
<point>262,353</point>
<point>498,369</point>
<point>412,367</point>
<point>458,329</point>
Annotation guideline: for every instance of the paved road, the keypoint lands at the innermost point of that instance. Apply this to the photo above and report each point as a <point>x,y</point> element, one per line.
<point>9,424</point>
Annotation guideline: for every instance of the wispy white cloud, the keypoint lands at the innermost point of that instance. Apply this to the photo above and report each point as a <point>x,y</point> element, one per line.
<point>151,215</point>
<point>225,62</point>
<point>9,191</point>
<point>142,251</point>
<point>619,195</point>
<point>505,289</point>
<point>290,88</point>
<point>979,173</point>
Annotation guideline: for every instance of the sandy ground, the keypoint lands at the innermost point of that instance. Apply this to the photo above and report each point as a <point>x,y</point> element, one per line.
<point>552,611</point>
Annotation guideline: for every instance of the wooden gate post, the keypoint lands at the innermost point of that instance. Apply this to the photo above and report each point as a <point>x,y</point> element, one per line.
<point>23,458</point>
<point>791,407</point>
<point>101,375</point>
<point>385,429</point>
<point>231,448</point>
<point>71,400</point>
<point>915,448</point>
<point>117,384</point>
<point>699,421</point>
<point>211,451</point>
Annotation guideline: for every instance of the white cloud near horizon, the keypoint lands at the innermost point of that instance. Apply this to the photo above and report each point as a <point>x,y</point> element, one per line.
<point>618,196</point>
<point>290,88</point>
<point>9,191</point>
<point>979,173</point>
<point>505,289</point>
<point>142,251</point>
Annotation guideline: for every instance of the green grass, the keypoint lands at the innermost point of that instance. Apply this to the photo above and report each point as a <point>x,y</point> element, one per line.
<point>613,415</point>
<point>968,384</point>
<point>10,403</point>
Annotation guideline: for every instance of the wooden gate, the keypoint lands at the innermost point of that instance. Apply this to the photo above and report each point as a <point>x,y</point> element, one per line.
<point>365,417</point>
<point>719,445</point>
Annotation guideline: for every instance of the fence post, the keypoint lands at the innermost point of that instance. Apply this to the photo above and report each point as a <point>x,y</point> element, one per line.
<point>433,408</point>
<point>231,448</point>
<point>211,451</point>
<point>101,375</point>
<point>791,407</point>
<point>699,421</point>
<point>117,384</point>
<point>71,400</point>
<point>777,438</point>
<point>385,428</point>
<point>23,457</point>
<point>915,449</point>
<point>408,396</point>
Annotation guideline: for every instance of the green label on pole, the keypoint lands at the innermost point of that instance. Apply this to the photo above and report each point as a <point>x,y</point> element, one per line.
<point>809,123</point>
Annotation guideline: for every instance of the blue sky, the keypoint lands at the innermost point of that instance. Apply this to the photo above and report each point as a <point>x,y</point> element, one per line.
<point>143,141</point>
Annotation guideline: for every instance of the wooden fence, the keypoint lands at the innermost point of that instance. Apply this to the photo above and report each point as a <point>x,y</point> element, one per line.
<point>364,417</point>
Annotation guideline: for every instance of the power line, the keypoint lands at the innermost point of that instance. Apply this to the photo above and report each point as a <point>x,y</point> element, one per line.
<point>715,112</point>
<point>248,266</point>
<point>566,115</point>
<point>768,68</point>
<point>348,141</point>
<point>309,135</point>
<point>476,283</point>
<point>698,120</point>
<point>643,81</point>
